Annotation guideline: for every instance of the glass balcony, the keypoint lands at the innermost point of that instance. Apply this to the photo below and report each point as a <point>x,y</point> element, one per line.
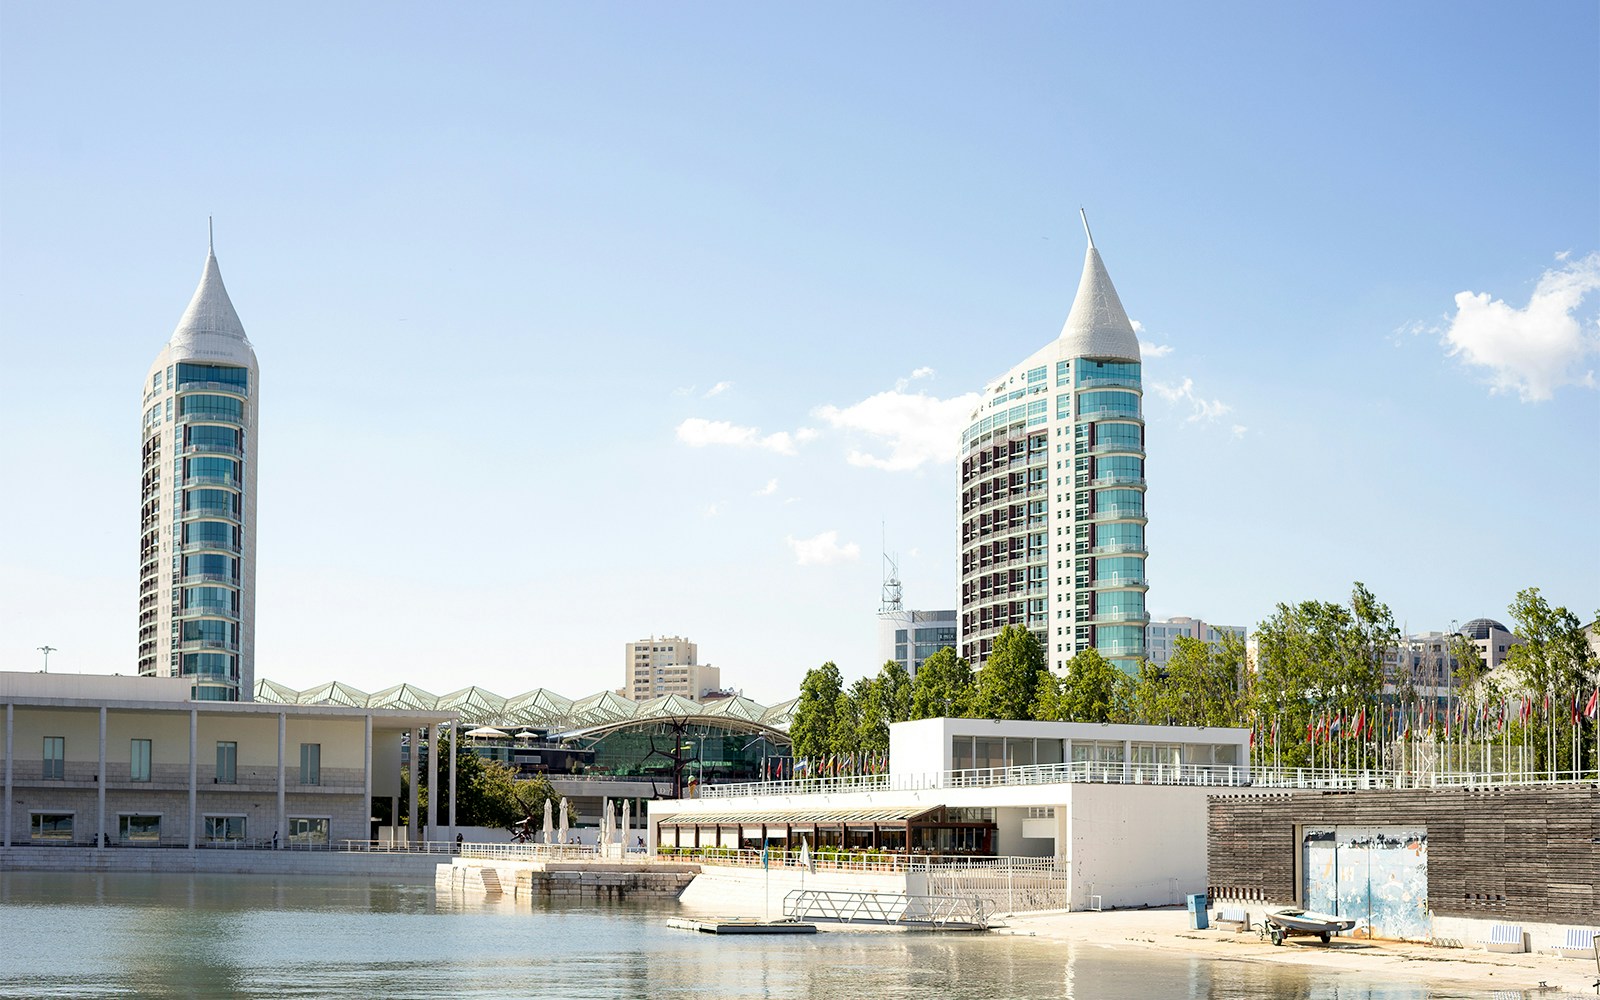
<point>208,611</point>
<point>1120,582</point>
<point>195,579</point>
<point>1116,449</point>
<point>1118,513</point>
<point>1116,617</point>
<point>211,418</point>
<point>230,483</point>
<point>1119,548</point>
<point>1118,479</point>
<point>223,387</point>
<point>208,546</point>
<point>205,448</point>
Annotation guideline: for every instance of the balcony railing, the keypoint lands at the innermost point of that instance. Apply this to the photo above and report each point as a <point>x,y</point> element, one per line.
<point>1114,448</point>
<point>1119,548</point>
<point>1111,617</point>
<point>193,579</point>
<point>1118,580</point>
<point>207,448</point>
<point>224,387</point>
<point>208,611</point>
<point>1118,513</point>
<point>206,417</point>
<point>227,481</point>
<point>1117,479</point>
<point>202,513</point>
<point>191,547</point>
<point>220,645</point>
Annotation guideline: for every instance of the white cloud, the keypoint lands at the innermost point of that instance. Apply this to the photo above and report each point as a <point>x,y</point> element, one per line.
<point>767,490</point>
<point>915,427</point>
<point>900,384</point>
<point>697,432</point>
<point>1150,350</point>
<point>1239,429</point>
<point>717,390</point>
<point>1539,348</point>
<point>1200,407</point>
<point>823,550</point>
<point>715,509</point>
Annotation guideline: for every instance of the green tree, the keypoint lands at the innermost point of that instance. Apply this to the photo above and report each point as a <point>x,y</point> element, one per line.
<point>490,794</point>
<point>943,688</point>
<point>1092,691</point>
<point>844,736</point>
<point>1202,683</point>
<point>1008,681</point>
<point>1554,663</point>
<point>811,730</point>
<point>887,700</point>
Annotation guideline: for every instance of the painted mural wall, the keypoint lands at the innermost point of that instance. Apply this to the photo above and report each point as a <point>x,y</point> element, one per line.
<point>1375,875</point>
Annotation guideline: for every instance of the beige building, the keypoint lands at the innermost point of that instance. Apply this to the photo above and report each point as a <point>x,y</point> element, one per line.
<point>659,666</point>
<point>111,761</point>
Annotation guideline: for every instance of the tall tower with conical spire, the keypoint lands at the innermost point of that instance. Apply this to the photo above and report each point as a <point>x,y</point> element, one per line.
<point>197,519</point>
<point>1053,488</point>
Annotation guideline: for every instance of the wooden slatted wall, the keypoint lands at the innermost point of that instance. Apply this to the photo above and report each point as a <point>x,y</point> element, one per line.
<point>1517,853</point>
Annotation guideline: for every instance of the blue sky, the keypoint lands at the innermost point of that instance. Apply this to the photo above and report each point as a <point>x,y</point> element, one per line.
<point>582,323</point>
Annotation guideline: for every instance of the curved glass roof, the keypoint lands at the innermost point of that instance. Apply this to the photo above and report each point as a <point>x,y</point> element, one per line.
<point>539,708</point>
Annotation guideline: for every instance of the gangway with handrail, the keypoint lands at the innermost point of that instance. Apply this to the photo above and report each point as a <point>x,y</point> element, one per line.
<point>965,913</point>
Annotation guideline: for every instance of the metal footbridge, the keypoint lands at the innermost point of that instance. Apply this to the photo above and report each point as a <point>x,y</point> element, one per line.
<point>951,913</point>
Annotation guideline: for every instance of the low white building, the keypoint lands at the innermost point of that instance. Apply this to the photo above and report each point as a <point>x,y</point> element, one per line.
<point>1119,811</point>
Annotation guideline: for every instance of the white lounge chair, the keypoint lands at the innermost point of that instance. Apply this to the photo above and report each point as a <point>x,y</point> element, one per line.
<point>1506,938</point>
<point>1579,943</point>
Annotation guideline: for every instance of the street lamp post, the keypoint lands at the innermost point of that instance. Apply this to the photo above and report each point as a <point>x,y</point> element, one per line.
<point>47,650</point>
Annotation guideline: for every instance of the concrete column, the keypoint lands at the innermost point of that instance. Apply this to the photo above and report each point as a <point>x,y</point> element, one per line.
<point>1127,759</point>
<point>194,771</point>
<point>411,800</point>
<point>452,834</point>
<point>434,807</point>
<point>366,777</point>
<point>283,738</point>
<point>394,813</point>
<point>10,756</point>
<point>100,794</point>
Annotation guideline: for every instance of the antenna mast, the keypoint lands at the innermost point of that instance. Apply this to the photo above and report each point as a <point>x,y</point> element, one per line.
<point>891,602</point>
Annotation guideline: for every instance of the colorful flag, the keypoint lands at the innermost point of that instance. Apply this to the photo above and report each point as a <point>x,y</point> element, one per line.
<point>1593,708</point>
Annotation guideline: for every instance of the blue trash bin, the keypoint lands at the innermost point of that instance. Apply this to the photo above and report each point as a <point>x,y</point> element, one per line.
<point>1198,918</point>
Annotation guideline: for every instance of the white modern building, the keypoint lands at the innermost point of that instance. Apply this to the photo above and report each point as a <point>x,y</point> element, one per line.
<point>197,503</point>
<point>909,637</point>
<point>1160,637</point>
<point>1053,491</point>
<point>667,665</point>
<point>1114,814</point>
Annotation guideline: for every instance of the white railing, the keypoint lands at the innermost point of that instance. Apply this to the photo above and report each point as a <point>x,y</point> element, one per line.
<point>1134,773</point>
<point>530,852</point>
<point>1096,772</point>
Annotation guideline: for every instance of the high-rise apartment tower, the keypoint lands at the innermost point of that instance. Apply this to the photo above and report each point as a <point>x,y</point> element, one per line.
<point>1052,491</point>
<point>197,520</point>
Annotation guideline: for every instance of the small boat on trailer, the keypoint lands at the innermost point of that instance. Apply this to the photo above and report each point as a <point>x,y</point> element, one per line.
<point>1288,923</point>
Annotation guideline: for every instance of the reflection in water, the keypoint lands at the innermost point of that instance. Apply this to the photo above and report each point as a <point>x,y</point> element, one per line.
<point>217,935</point>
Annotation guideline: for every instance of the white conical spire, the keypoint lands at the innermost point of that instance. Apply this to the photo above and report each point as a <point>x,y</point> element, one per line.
<point>210,311</point>
<point>1097,326</point>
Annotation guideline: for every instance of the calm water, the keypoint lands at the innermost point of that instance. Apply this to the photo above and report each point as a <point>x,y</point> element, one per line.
<point>219,935</point>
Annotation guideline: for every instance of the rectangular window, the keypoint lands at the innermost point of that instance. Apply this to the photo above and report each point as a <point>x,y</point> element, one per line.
<point>139,761</point>
<point>227,762</point>
<point>220,829</point>
<point>133,829</point>
<point>55,757</point>
<point>311,763</point>
<point>51,827</point>
<point>308,831</point>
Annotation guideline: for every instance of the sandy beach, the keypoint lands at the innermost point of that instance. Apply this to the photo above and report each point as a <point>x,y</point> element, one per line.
<point>1168,930</point>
